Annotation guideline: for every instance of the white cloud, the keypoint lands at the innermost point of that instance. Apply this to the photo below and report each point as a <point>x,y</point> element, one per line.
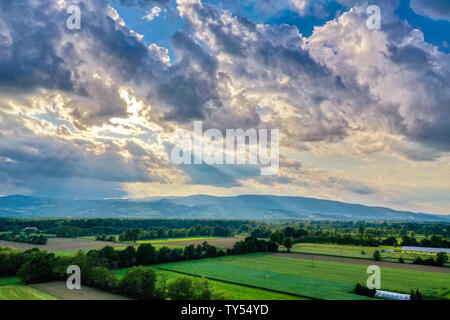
<point>153,14</point>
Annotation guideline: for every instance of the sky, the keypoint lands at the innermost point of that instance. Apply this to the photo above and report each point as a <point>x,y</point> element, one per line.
<point>95,111</point>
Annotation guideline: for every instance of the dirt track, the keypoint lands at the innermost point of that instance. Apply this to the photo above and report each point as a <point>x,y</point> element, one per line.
<point>363,262</point>
<point>59,290</point>
<point>63,244</point>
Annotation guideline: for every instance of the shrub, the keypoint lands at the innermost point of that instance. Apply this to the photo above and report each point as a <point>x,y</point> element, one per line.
<point>441,259</point>
<point>184,288</point>
<point>39,268</point>
<point>102,278</point>
<point>140,283</point>
<point>364,291</point>
<point>180,289</point>
<point>377,255</point>
<point>416,295</point>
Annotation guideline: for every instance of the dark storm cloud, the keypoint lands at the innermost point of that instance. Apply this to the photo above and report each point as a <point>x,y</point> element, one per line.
<point>433,128</point>
<point>38,51</point>
<point>27,47</point>
<point>261,55</point>
<point>30,156</point>
<point>409,56</point>
<point>189,88</point>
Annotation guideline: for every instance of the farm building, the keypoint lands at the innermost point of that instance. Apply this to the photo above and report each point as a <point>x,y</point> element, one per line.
<point>407,249</point>
<point>392,295</point>
<point>30,229</point>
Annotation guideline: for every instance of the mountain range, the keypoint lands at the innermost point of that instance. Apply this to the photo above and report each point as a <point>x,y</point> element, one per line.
<point>205,207</point>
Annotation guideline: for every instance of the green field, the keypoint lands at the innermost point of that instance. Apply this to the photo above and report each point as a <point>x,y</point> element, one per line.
<point>11,288</point>
<point>19,292</point>
<point>176,239</point>
<point>93,238</point>
<point>357,251</point>
<point>318,279</point>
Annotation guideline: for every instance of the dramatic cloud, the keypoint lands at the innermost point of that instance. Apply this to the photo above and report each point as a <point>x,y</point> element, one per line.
<point>435,9</point>
<point>96,108</point>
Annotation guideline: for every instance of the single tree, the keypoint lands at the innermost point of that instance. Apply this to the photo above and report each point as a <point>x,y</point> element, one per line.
<point>377,255</point>
<point>146,254</point>
<point>288,243</point>
<point>277,237</point>
<point>441,259</point>
<point>140,283</point>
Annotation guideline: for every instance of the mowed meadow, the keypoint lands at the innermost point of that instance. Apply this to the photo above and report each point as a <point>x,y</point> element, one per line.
<point>11,288</point>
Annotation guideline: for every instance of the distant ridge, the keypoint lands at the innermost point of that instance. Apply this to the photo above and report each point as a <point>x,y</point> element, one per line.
<point>205,206</point>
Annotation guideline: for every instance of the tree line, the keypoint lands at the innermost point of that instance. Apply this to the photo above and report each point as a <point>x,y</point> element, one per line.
<point>441,259</point>
<point>305,235</point>
<point>24,237</point>
<point>135,234</point>
<point>433,241</point>
<point>358,228</point>
<point>260,229</point>
<point>97,226</point>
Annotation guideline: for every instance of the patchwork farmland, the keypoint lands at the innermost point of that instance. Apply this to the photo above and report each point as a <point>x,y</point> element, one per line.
<point>251,263</point>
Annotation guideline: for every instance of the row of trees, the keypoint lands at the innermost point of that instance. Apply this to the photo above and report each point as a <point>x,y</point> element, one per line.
<point>105,237</point>
<point>134,234</point>
<point>146,254</point>
<point>433,241</point>
<point>299,234</point>
<point>280,238</point>
<point>24,237</point>
<point>356,228</point>
<point>97,226</point>
<point>441,259</point>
